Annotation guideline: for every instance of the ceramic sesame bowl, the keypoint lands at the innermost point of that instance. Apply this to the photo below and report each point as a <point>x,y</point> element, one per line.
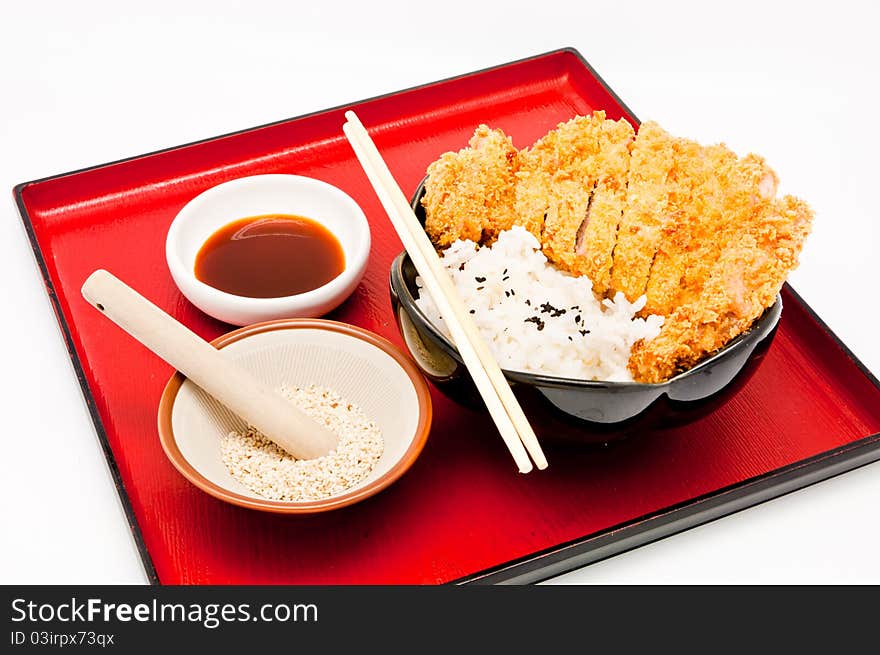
<point>582,410</point>
<point>260,195</point>
<point>360,367</point>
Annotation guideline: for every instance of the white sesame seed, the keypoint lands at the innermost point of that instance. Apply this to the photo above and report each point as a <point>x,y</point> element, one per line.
<point>269,471</point>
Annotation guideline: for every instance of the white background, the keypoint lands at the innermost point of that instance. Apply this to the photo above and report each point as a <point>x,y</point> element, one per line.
<point>84,84</point>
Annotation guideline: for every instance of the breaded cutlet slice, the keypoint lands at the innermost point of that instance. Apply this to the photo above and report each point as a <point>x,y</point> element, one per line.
<point>469,194</point>
<point>745,188</point>
<point>644,216</point>
<point>570,202</point>
<point>712,193</point>
<point>554,185</point>
<point>532,191</point>
<point>569,187</point>
<point>597,234</point>
<point>577,146</point>
<point>744,281</point>
<point>691,206</point>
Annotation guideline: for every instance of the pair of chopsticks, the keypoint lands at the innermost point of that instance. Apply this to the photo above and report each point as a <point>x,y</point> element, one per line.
<point>509,418</point>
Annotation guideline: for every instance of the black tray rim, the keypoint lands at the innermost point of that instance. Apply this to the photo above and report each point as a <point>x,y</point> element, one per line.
<point>555,560</point>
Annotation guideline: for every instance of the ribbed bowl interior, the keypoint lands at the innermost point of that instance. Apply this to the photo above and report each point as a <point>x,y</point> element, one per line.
<point>360,372</point>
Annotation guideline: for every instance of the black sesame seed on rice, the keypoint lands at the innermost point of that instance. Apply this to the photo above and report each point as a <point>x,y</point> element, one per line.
<point>547,308</point>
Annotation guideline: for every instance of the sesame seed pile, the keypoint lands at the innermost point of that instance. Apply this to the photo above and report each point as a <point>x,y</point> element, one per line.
<point>269,471</point>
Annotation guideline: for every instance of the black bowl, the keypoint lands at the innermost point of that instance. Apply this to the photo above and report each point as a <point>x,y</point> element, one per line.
<point>582,410</point>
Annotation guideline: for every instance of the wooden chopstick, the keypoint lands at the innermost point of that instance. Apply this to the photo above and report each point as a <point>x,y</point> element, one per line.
<point>433,276</point>
<point>515,429</point>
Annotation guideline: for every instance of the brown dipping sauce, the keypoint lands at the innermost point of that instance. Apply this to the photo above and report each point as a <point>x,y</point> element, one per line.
<point>270,256</point>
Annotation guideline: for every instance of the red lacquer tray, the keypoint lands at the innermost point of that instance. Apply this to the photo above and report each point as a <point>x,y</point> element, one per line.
<point>462,513</point>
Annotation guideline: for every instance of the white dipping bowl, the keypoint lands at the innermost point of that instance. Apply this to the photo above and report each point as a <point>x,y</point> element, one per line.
<point>255,196</point>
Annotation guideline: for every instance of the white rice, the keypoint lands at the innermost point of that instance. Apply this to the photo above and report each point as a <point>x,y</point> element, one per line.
<point>538,319</point>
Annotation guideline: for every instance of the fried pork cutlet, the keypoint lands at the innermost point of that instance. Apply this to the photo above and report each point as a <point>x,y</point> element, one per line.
<point>597,234</point>
<point>570,196</point>
<point>745,187</point>
<point>469,194</point>
<point>554,186</point>
<point>696,229</point>
<point>712,193</point>
<point>745,279</point>
<point>534,187</point>
<point>693,227</point>
<point>569,154</point>
<point>645,214</point>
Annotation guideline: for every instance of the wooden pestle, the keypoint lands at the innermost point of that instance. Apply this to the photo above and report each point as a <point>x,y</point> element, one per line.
<point>277,418</point>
